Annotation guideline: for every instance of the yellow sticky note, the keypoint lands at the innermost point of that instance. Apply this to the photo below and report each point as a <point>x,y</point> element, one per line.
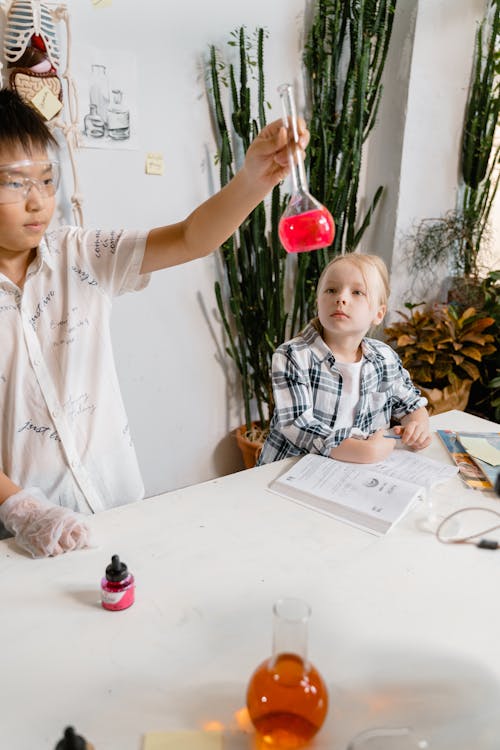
<point>46,103</point>
<point>101,3</point>
<point>154,163</point>
<point>481,448</point>
<point>186,740</point>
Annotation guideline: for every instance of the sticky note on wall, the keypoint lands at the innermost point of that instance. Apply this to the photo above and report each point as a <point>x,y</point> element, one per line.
<point>154,163</point>
<point>186,740</point>
<point>46,103</point>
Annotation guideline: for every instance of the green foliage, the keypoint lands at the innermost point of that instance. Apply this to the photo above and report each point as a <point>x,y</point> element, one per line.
<point>451,236</point>
<point>440,345</point>
<point>480,157</point>
<point>485,394</point>
<point>251,300</point>
<point>459,235</point>
<point>255,314</point>
<point>344,58</point>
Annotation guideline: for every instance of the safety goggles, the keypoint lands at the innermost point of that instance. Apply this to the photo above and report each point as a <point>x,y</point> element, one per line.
<point>15,184</point>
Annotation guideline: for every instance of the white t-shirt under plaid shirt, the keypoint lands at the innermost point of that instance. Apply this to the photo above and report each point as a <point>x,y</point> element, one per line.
<point>307,389</point>
<point>64,427</point>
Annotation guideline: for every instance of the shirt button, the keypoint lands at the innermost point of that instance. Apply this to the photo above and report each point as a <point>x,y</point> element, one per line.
<point>36,362</point>
<point>75,464</point>
<point>55,413</point>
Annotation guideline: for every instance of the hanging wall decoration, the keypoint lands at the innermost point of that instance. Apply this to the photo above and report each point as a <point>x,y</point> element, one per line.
<point>33,61</point>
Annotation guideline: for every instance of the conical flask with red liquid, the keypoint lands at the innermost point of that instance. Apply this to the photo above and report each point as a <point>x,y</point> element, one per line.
<point>306,224</point>
<point>287,700</point>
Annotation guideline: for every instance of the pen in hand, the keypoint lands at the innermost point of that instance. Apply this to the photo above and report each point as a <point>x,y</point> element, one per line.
<point>393,437</point>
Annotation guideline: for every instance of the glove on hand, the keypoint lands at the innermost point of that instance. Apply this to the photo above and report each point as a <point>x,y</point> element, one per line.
<point>41,528</point>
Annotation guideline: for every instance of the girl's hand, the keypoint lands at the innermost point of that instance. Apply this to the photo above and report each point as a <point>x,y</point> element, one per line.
<point>414,434</point>
<point>369,450</point>
<point>267,156</point>
<point>379,447</point>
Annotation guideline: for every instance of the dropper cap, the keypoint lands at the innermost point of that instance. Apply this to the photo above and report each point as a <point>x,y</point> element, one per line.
<point>117,570</point>
<point>71,741</point>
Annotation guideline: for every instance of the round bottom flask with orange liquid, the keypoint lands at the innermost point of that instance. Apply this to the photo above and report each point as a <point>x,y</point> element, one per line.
<point>287,699</point>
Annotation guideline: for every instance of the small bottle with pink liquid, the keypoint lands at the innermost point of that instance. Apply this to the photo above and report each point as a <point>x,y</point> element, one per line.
<point>117,586</point>
<point>306,224</point>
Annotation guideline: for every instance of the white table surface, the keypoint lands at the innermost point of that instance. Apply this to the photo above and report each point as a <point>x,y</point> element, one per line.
<point>404,630</point>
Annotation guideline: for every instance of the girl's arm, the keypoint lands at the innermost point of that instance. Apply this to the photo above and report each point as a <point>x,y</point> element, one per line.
<point>368,451</point>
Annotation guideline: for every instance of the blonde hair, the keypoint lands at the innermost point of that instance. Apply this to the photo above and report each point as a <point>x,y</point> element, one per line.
<point>363,263</point>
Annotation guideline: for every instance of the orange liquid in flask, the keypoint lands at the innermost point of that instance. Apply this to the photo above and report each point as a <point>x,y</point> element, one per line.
<point>287,702</point>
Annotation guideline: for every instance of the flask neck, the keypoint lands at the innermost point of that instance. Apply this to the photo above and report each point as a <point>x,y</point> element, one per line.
<point>290,628</point>
<point>295,157</point>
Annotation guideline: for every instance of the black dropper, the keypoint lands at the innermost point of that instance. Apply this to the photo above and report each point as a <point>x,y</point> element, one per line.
<point>117,570</point>
<point>71,741</point>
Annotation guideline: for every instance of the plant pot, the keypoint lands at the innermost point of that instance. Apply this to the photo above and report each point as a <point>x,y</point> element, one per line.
<point>250,443</point>
<point>448,398</point>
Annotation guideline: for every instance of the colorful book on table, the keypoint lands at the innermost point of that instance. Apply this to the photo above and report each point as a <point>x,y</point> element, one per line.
<point>477,455</point>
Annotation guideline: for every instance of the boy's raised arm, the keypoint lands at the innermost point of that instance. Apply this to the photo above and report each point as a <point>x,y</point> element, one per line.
<point>209,225</point>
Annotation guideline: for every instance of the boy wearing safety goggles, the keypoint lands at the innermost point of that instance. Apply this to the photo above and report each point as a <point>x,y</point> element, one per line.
<point>65,447</point>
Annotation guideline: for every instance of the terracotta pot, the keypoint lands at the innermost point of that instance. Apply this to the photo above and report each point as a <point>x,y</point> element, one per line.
<point>250,449</point>
<point>448,398</point>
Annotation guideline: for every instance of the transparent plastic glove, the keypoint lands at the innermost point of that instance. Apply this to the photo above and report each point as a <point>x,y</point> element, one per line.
<point>41,528</point>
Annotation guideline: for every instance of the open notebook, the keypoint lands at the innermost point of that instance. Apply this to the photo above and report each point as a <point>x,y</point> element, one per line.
<point>372,497</point>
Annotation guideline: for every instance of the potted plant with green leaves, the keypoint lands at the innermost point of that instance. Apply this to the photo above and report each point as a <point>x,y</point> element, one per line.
<point>485,393</point>
<point>442,348</point>
<point>256,311</point>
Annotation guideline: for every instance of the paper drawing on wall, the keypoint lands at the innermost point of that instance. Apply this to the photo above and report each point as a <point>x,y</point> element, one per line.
<point>32,57</point>
<point>108,82</point>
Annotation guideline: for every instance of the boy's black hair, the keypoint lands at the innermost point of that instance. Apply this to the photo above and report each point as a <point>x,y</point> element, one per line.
<point>21,125</point>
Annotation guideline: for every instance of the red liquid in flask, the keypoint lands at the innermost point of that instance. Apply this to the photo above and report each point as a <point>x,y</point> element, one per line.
<point>307,231</point>
<point>287,703</point>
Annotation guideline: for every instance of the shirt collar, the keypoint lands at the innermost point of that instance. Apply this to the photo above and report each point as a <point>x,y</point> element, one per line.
<point>370,350</point>
<point>43,255</point>
<point>321,351</point>
<point>314,340</point>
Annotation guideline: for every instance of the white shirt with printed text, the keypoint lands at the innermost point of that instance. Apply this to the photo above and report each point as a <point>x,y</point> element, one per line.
<point>63,423</point>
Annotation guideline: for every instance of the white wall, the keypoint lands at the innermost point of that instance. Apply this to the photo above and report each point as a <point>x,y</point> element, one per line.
<point>167,338</point>
<point>416,147</point>
<point>178,385</point>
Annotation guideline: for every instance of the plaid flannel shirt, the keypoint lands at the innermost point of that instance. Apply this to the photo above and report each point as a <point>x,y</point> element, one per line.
<point>307,390</point>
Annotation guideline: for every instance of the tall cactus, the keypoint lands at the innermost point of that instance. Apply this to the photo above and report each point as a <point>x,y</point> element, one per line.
<point>344,58</point>
<point>251,306</point>
<point>345,54</point>
<point>480,156</point>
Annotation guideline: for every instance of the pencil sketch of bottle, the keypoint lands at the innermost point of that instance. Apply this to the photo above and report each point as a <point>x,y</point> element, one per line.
<point>99,91</point>
<point>93,124</point>
<point>118,117</point>
<point>106,119</point>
